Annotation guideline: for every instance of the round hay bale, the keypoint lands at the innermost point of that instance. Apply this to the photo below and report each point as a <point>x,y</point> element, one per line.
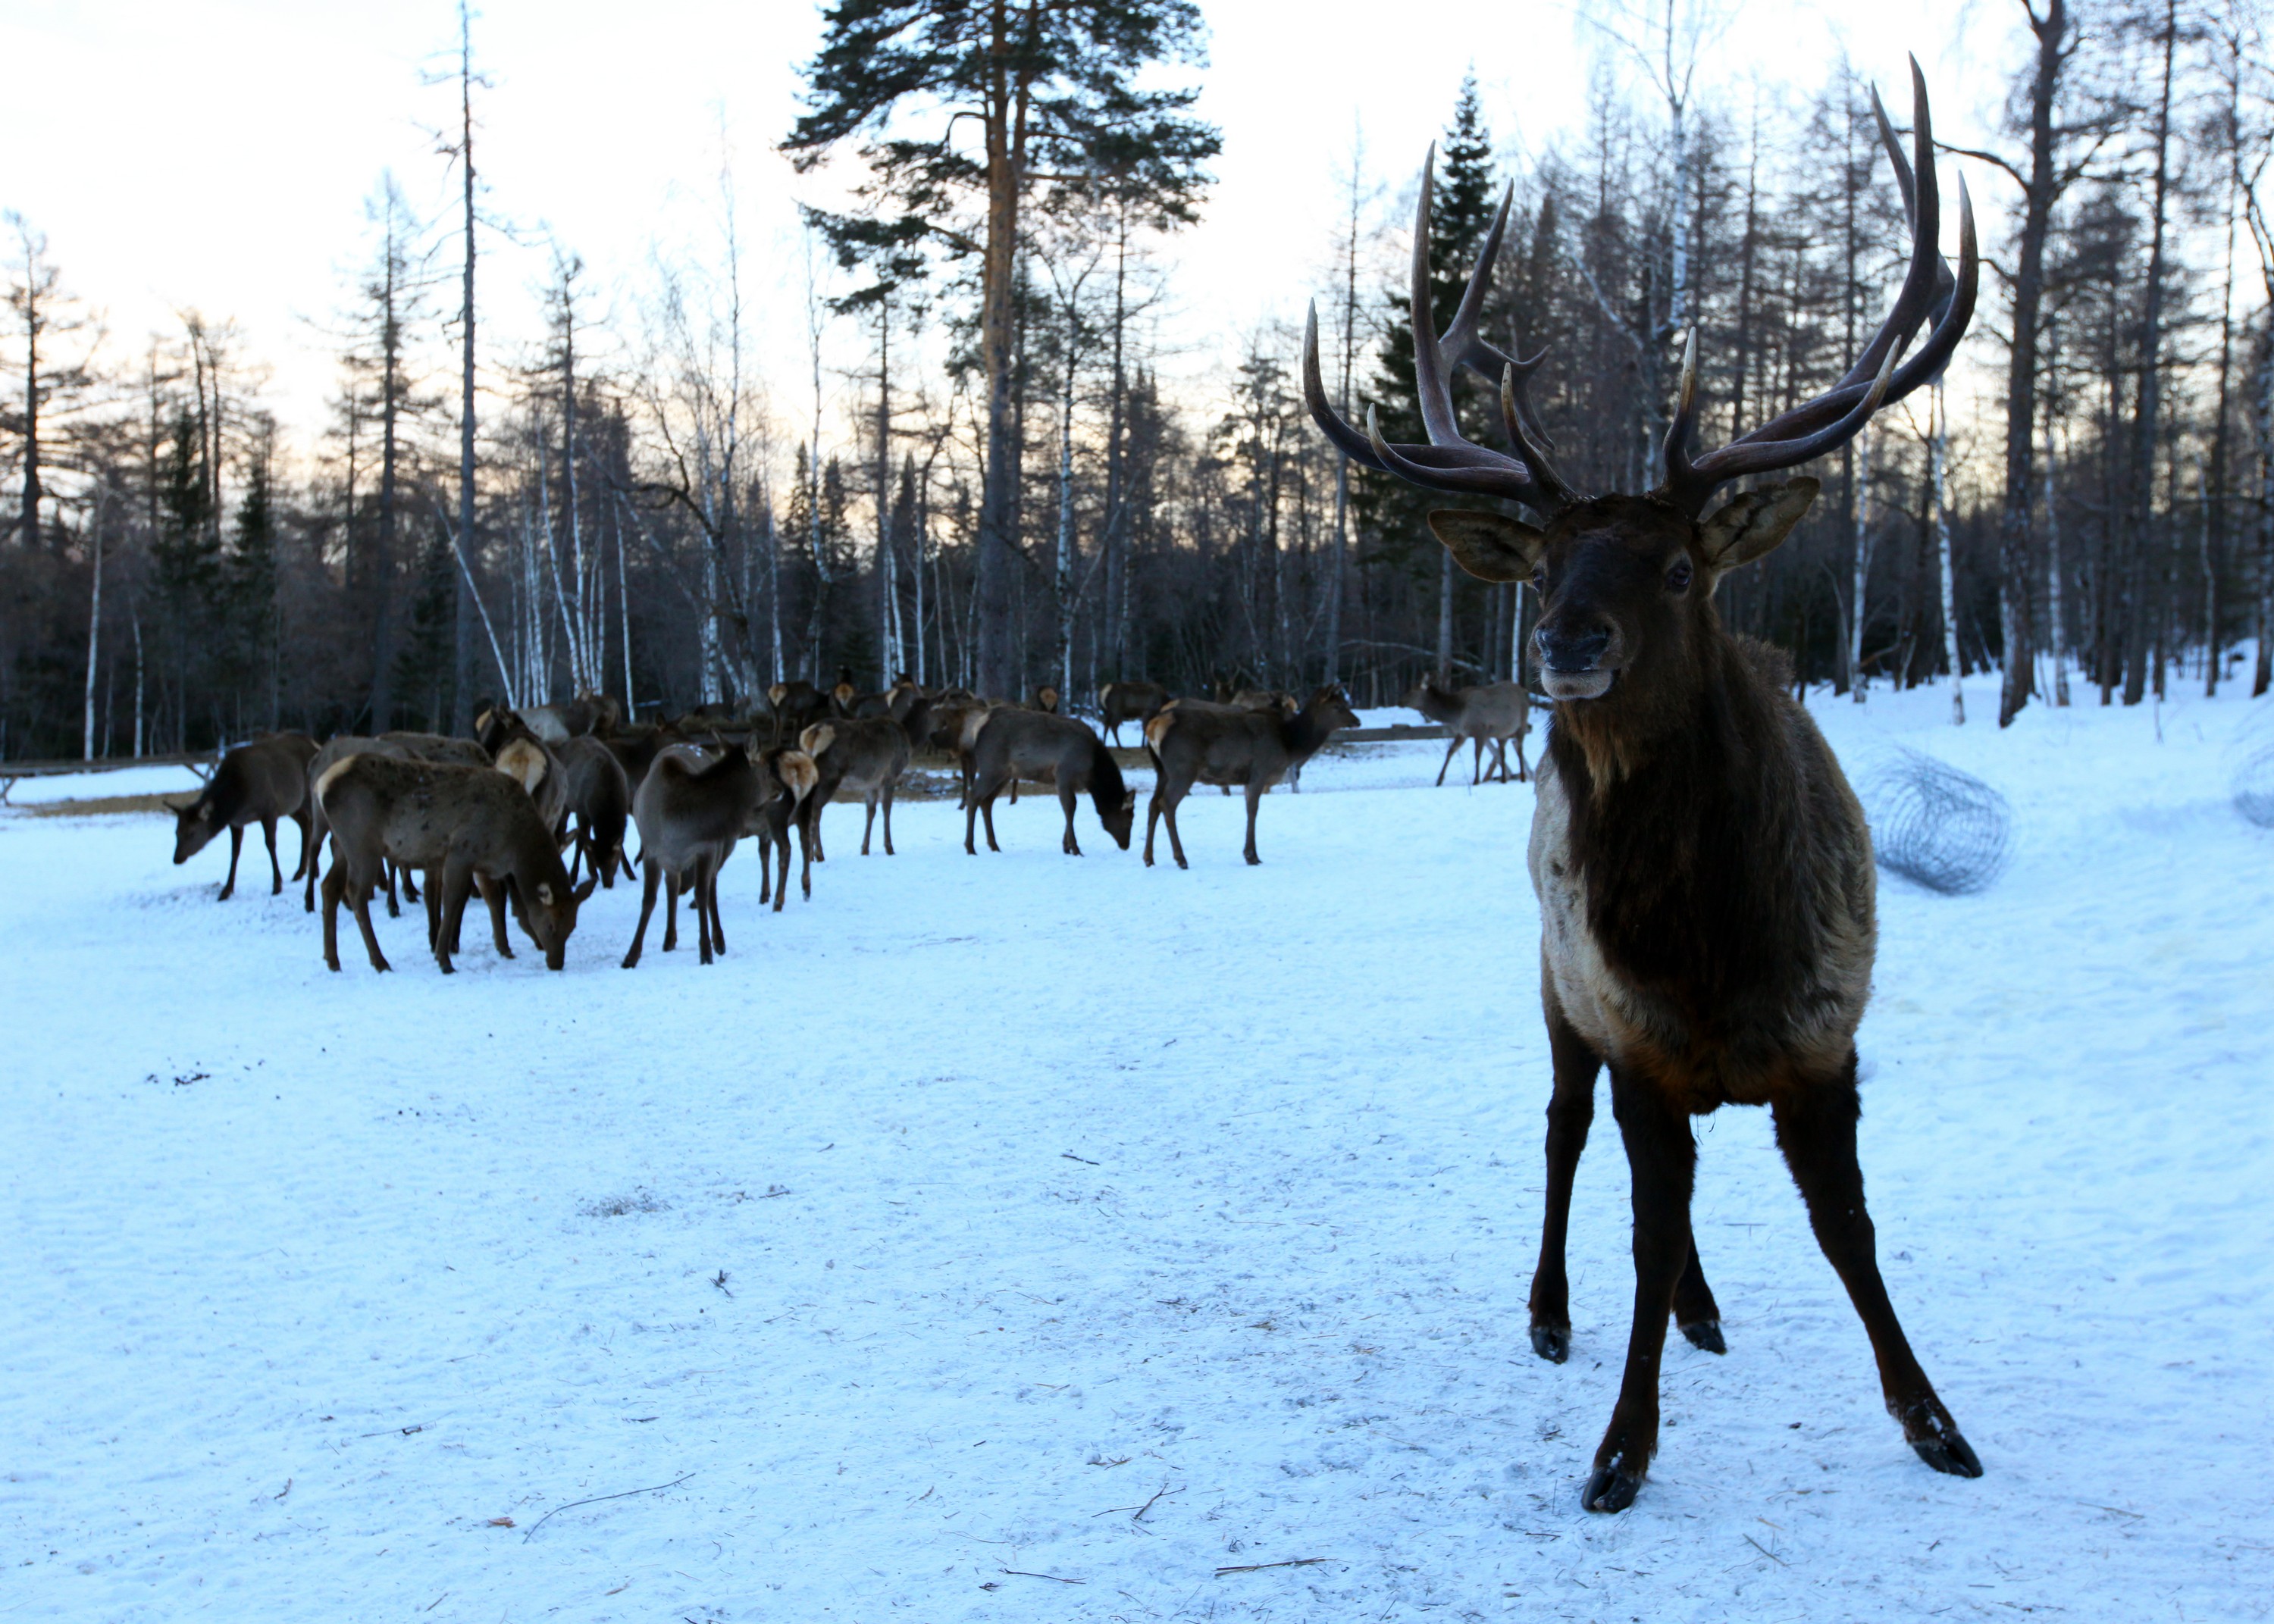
<point>1936,826</point>
<point>2254,787</point>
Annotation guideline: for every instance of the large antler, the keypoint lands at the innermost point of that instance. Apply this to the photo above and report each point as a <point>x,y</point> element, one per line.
<point>1448,461</point>
<point>1929,293</point>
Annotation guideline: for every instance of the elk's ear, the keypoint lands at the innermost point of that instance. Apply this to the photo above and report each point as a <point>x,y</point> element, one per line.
<point>1750,526</point>
<point>1489,545</point>
<point>585,890</point>
<point>545,892</point>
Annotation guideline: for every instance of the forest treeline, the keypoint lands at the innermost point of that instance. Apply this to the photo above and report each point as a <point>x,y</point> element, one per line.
<point>1005,493</point>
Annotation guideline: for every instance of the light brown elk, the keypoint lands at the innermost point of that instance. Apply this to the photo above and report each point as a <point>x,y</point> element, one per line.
<point>458,825</point>
<point>863,755</point>
<point>789,776</point>
<point>1128,702</point>
<point>1013,744</point>
<point>1492,713</point>
<point>1705,874</point>
<point>256,783</point>
<point>403,745</point>
<point>1194,741</point>
<point>691,809</point>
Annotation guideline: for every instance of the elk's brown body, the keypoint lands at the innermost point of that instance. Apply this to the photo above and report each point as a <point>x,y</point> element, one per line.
<point>692,809</point>
<point>1197,741</point>
<point>1705,874</point>
<point>1011,744</point>
<point>1490,713</point>
<point>460,825</point>
<point>1128,702</point>
<point>256,783</point>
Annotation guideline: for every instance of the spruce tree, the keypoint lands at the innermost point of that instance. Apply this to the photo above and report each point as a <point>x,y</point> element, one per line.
<point>1390,510</point>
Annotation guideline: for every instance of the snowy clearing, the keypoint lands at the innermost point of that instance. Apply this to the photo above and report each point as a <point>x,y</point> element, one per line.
<point>1029,1237</point>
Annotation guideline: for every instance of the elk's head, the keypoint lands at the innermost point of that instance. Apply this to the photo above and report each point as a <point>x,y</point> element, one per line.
<point>548,914</point>
<point>1330,708</point>
<point>194,825</point>
<point>1119,817</point>
<point>1626,582</point>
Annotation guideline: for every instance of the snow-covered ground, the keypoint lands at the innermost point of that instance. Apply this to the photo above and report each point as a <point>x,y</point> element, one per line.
<point>1027,1238</point>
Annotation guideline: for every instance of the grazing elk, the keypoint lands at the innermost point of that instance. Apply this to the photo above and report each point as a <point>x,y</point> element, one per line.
<point>596,791</point>
<point>1196,742</point>
<point>1128,702</point>
<point>1013,743</point>
<point>1490,713</point>
<point>691,809</point>
<point>256,783</point>
<point>1705,875</point>
<point>461,825</point>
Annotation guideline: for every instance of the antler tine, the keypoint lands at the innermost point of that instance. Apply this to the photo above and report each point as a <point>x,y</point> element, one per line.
<point>1435,360</point>
<point>1345,436</point>
<point>1834,417</point>
<point>1463,469</point>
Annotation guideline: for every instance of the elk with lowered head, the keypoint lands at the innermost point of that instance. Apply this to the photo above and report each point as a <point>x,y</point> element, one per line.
<point>691,809</point>
<point>596,793</point>
<point>1490,713</point>
<point>1194,741</point>
<point>1705,875</point>
<point>256,783</point>
<point>459,824</point>
<point>1013,743</point>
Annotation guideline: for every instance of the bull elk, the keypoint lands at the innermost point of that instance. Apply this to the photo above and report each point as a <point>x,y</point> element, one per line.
<point>1490,713</point>
<point>1705,875</point>
<point>1013,743</point>
<point>1196,742</point>
<point>459,824</point>
<point>256,783</point>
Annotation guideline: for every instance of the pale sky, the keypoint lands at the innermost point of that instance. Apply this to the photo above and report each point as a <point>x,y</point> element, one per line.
<point>218,155</point>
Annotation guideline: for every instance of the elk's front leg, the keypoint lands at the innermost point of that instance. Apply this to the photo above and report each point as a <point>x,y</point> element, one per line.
<point>455,882</point>
<point>1570,1113</point>
<point>493,893</point>
<point>888,819</point>
<point>1253,793</point>
<point>1661,1159</point>
<point>1451,751</point>
<point>236,845</point>
<point>1816,1130</point>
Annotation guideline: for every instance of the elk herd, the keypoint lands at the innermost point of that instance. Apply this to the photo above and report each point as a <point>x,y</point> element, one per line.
<point>1703,871</point>
<point>540,807</point>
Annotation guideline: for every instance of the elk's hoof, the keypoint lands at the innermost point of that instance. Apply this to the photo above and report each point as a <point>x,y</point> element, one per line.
<point>1612,1488</point>
<point>1706,1334</point>
<point>1552,1343</point>
<point>1940,1446</point>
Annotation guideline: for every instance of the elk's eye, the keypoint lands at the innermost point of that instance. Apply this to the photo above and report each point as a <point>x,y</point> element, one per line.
<point>1539,579</point>
<point>1677,577</point>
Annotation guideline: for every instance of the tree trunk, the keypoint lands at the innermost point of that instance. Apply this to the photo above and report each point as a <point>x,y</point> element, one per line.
<point>1862,553</point>
<point>2013,563</point>
<point>2146,419</point>
<point>1937,459</point>
<point>93,637</point>
<point>462,696</point>
<point>1006,154</point>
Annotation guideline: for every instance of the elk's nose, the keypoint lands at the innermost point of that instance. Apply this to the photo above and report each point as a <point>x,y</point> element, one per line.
<point>1572,646</point>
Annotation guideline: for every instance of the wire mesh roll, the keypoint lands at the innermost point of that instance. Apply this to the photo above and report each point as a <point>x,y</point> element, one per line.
<point>1936,826</point>
<point>2254,787</point>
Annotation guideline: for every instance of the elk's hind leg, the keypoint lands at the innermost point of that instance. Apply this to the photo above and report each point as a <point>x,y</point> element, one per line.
<point>1570,1113</point>
<point>1661,1158</point>
<point>275,870</point>
<point>1816,1130</point>
<point>1696,1314</point>
<point>654,870</point>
